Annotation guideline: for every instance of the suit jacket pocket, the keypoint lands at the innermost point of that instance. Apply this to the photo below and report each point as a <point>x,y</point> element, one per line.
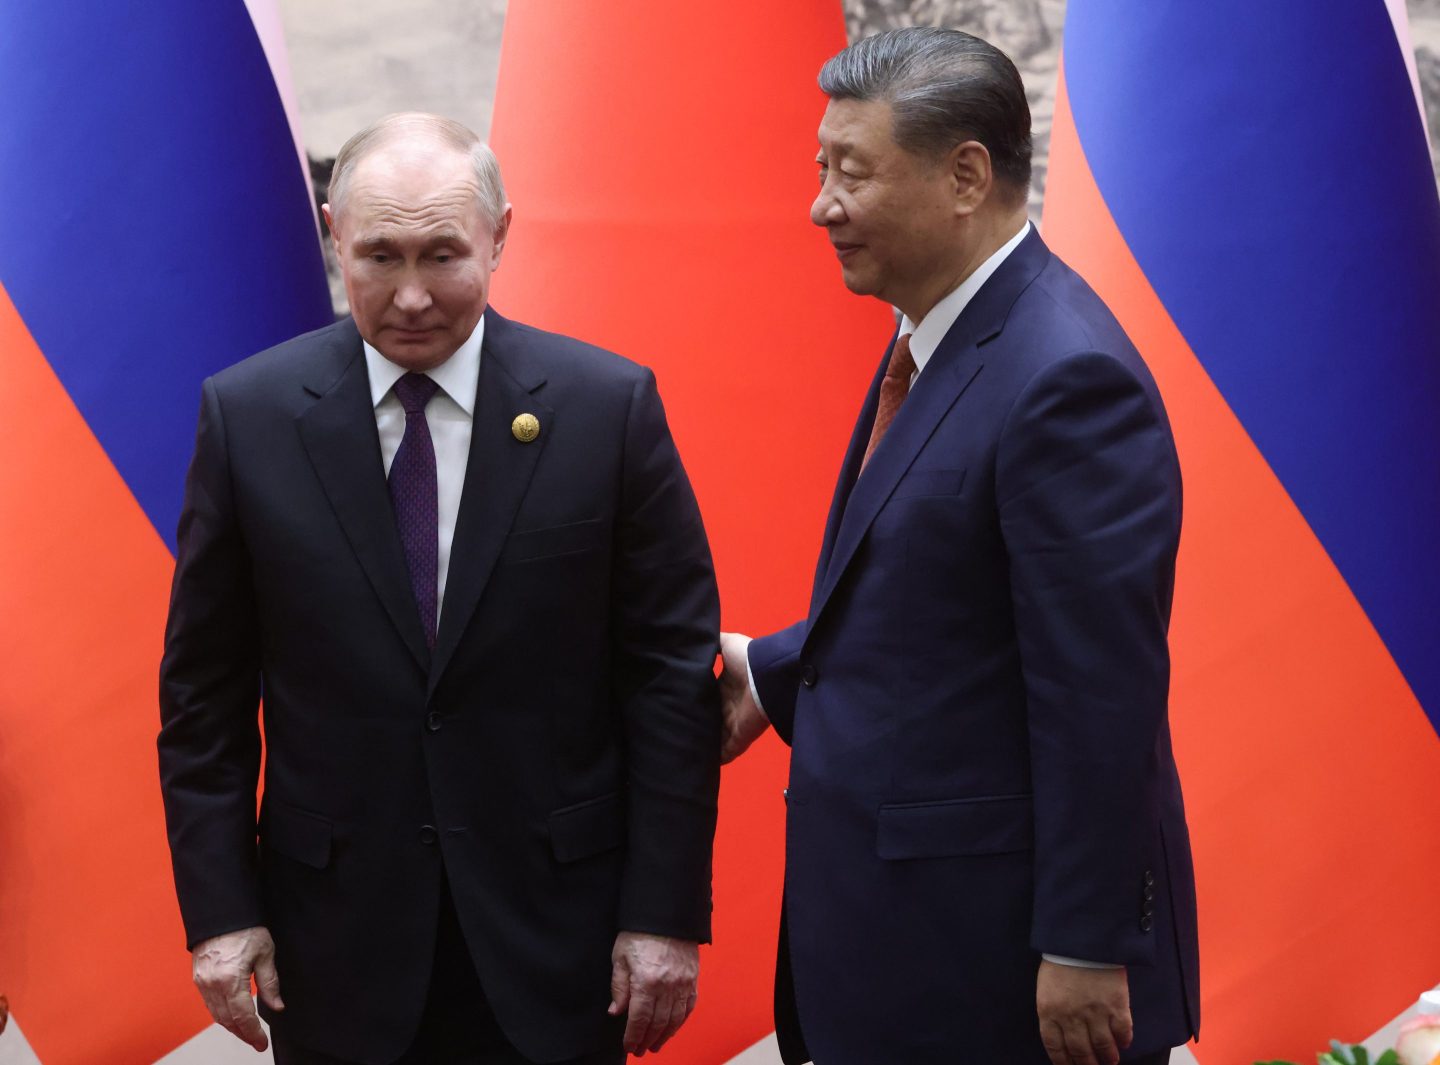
<point>531,544</point>
<point>930,483</point>
<point>588,828</point>
<point>1001,824</point>
<point>303,836</point>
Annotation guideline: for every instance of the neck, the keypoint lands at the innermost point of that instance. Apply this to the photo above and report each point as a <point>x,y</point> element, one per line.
<point>991,232</point>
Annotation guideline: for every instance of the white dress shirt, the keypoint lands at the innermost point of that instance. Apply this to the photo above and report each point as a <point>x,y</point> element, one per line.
<point>450,415</point>
<point>924,339</point>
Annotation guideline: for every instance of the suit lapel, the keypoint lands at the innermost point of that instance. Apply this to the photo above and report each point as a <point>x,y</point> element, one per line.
<point>497,475</point>
<point>339,435</point>
<point>954,366</point>
<point>921,412</point>
<point>849,471</point>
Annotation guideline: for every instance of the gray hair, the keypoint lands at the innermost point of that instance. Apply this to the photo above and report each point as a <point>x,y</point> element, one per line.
<point>444,131</point>
<point>945,87</point>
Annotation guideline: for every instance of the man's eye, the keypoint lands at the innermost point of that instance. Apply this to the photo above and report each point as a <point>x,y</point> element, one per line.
<point>444,257</point>
<point>379,257</point>
<point>823,174</point>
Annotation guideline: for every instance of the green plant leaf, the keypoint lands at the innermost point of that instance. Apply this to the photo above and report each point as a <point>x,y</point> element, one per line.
<point>1388,1058</point>
<point>1345,1054</point>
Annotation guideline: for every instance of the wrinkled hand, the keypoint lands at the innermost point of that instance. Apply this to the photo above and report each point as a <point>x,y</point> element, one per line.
<point>743,721</point>
<point>653,978</point>
<point>222,967</point>
<point>1084,1014</point>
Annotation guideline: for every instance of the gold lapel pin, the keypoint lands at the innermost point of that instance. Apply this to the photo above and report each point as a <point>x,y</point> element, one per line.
<point>526,427</point>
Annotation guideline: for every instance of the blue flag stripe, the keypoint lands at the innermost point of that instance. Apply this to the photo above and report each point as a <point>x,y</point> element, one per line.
<point>158,225</point>
<point>1267,165</point>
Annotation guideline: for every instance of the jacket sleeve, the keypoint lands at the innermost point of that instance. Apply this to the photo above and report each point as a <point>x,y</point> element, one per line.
<point>775,669</point>
<point>1088,489</point>
<point>209,743</point>
<point>666,619</point>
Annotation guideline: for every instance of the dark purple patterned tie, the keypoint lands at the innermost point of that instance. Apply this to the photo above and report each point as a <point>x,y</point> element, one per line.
<point>414,495</point>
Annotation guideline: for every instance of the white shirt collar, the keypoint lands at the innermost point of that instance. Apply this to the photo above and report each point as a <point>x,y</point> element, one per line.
<point>926,336</point>
<point>458,376</point>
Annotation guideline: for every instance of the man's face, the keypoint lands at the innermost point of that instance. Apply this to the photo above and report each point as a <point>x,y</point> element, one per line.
<point>889,213</point>
<point>416,251</point>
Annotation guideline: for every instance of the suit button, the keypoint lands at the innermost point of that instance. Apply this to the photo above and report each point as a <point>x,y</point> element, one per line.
<point>1149,892</point>
<point>432,721</point>
<point>428,834</point>
<point>1149,910</point>
<point>808,676</point>
<point>1146,923</point>
<point>1149,878</point>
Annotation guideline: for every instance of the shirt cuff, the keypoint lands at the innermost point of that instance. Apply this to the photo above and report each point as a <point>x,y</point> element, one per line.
<point>750,680</point>
<point>1080,963</point>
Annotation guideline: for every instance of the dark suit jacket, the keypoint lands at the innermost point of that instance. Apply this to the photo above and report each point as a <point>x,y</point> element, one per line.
<point>977,701</point>
<point>557,753</point>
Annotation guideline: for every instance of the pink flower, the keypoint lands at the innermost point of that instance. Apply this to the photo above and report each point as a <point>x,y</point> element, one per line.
<point>1419,1041</point>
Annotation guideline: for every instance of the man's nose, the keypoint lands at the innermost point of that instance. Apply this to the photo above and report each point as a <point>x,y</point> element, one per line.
<point>412,295</point>
<point>826,210</point>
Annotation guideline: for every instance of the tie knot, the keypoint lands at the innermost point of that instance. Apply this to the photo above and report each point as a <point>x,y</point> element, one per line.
<point>414,391</point>
<point>902,363</point>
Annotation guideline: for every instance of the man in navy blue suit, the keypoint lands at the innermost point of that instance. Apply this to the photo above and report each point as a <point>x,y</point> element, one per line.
<point>987,858</point>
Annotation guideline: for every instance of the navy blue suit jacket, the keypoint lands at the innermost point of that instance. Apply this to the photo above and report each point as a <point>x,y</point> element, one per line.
<point>557,753</point>
<point>977,702</point>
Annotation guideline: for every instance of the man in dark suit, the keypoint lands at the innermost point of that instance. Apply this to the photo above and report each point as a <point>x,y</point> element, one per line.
<point>462,562</point>
<point>986,856</point>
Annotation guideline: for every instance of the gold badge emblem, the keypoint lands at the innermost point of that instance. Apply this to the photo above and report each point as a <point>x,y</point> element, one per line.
<point>526,427</point>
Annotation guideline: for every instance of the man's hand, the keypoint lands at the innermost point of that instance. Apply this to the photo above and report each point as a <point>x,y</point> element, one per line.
<point>1084,1014</point>
<point>743,720</point>
<point>222,968</point>
<point>653,978</point>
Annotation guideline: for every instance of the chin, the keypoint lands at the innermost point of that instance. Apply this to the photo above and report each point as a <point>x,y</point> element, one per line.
<point>859,285</point>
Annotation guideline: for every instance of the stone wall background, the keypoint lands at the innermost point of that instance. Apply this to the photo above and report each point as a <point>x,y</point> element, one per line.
<point>354,62</point>
<point>1030,32</point>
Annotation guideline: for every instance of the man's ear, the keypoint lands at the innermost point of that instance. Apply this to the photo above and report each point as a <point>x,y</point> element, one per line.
<point>329,216</point>
<point>502,233</point>
<point>971,175</point>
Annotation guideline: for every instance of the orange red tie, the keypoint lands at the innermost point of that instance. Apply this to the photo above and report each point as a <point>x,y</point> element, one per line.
<point>893,391</point>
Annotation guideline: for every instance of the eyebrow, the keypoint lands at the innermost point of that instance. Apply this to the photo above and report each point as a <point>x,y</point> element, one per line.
<point>837,147</point>
<point>385,240</point>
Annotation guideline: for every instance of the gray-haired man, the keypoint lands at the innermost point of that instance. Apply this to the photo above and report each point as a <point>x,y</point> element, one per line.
<point>986,854</point>
<point>462,559</point>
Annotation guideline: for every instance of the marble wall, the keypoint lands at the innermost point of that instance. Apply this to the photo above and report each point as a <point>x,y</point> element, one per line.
<point>354,62</point>
<point>1030,32</point>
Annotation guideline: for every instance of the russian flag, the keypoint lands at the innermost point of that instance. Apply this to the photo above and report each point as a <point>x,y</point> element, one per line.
<point>158,226</point>
<point>1248,186</point>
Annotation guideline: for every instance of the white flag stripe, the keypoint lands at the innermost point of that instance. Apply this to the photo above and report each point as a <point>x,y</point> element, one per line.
<point>216,1046</point>
<point>765,1052</point>
<point>14,1050</point>
<point>1400,18</point>
<point>265,15</point>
